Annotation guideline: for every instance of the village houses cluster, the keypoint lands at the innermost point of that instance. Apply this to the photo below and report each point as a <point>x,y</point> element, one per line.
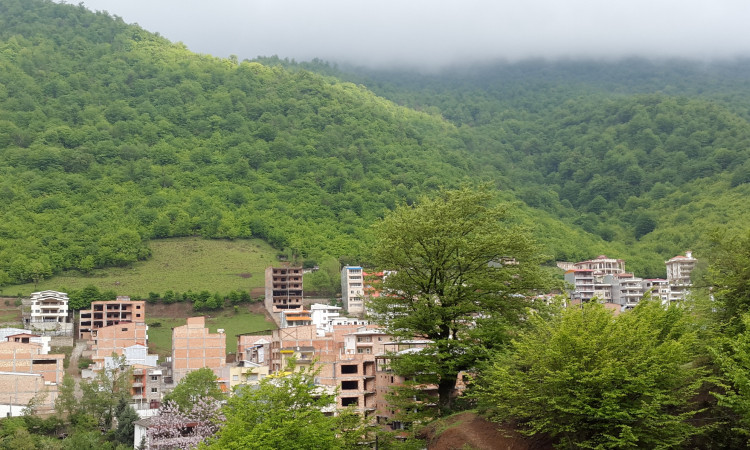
<point>350,354</point>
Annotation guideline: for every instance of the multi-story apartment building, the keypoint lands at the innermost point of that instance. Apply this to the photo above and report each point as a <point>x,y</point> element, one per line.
<point>602,265</point>
<point>147,387</point>
<point>658,288</point>
<point>193,347</point>
<point>106,313</point>
<point>352,371</point>
<point>352,290</point>
<point>594,278</point>
<point>387,380</point>
<point>49,311</point>
<point>679,269</point>
<point>583,282</point>
<point>627,289</point>
<point>283,288</point>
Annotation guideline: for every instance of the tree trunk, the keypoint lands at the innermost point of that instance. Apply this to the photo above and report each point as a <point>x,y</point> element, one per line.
<point>446,388</point>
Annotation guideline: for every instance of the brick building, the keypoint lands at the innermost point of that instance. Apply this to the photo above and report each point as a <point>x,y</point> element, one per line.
<point>115,338</point>
<point>283,288</point>
<point>106,313</point>
<point>193,347</point>
<point>25,371</point>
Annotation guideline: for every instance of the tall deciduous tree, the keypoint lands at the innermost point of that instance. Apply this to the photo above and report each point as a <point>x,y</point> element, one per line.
<point>461,271</point>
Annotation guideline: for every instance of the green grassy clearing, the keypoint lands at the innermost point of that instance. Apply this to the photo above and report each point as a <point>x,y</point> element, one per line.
<point>177,264</point>
<point>160,338</point>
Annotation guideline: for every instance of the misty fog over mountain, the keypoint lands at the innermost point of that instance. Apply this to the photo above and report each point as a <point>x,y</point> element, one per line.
<point>430,34</point>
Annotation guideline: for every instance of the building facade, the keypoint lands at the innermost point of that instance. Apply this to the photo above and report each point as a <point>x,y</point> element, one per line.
<point>679,269</point>
<point>193,347</point>
<point>283,288</point>
<point>49,312</point>
<point>106,313</point>
<point>352,290</point>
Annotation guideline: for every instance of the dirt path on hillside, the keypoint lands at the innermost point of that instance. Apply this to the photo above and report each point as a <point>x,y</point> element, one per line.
<point>74,357</point>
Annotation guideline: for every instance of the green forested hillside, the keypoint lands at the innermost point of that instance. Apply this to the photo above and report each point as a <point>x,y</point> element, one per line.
<point>111,136</point>
<point>652,155</point>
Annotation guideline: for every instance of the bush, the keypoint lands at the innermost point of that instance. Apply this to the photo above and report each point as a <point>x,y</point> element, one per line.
<point>84,363</point>
<point>153,297</point>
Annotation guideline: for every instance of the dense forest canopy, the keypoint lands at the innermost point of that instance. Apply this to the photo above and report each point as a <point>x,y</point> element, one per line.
<point>111,136</point>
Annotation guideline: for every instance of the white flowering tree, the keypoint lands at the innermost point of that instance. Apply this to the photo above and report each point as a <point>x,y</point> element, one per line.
<point>185,429</point>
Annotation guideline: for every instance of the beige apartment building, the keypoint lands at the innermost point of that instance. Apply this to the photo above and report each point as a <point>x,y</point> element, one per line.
<point>107,313</point>
<point>193,347</point>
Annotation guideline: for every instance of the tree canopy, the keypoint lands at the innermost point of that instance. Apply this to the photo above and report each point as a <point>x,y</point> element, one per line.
<point>590,379</point>
<point>461,270</point>
<point>286,411</point>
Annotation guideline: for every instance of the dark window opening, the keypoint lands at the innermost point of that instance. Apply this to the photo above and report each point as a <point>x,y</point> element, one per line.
<point>349,401</point>
<point>349,385</point>
<point>349,368</point>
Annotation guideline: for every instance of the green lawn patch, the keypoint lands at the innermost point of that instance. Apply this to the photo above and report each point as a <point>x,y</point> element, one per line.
<point>160,337</point>
<point>178,264</point>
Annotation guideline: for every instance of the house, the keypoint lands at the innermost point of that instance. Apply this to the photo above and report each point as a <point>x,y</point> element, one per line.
<point>25,336</point>
<point>49,312</point>
<point>295,318</point>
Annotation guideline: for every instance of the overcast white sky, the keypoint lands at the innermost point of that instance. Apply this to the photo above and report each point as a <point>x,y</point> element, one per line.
<point>439,32</point>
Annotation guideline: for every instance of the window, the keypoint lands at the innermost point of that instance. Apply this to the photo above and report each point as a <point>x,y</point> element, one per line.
<point>154,378</point>
<point>349,385</point>
<point>124,329</point>
<point>138,307</point>
<point>348,368</point>
<point>235,378</point>
<point>154,390</point>
<point>366,350</point>
<point>137,315</point>
<point>349,401</point>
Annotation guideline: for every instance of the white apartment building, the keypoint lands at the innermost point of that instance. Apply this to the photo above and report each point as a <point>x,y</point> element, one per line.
<point>49,311</point>
<point>658,288</point>
<point>679,269</point>
<point>353,290</point>
<point>602,265</point>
